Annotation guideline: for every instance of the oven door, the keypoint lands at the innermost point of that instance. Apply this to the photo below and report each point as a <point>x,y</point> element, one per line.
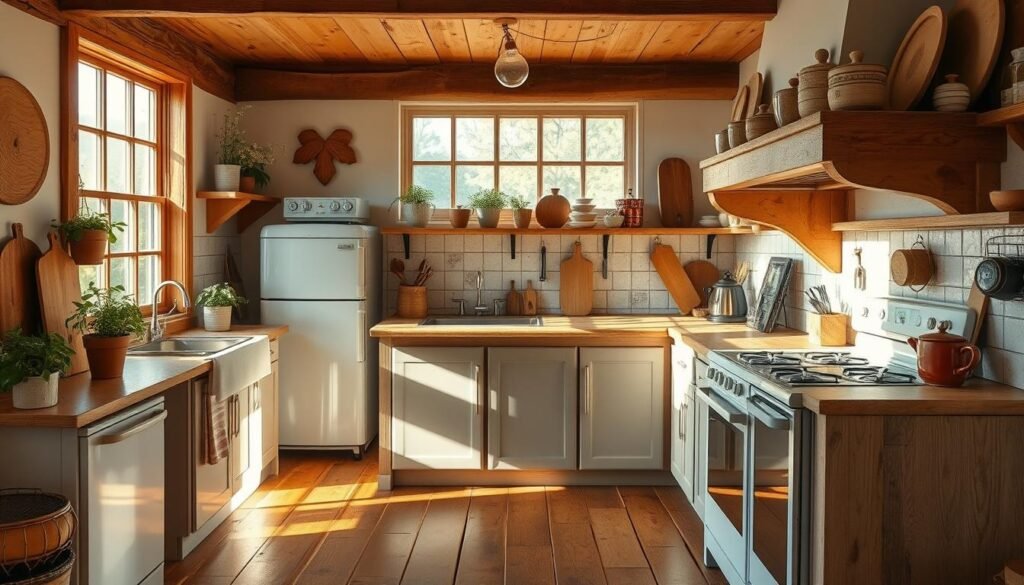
<point>780,503</point>
<point>726,480</point>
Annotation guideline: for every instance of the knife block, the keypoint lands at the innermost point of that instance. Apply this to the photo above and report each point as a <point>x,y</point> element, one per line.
<point>827,330</point>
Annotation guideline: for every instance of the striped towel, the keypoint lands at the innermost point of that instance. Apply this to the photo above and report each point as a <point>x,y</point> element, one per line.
<point>215,435</point>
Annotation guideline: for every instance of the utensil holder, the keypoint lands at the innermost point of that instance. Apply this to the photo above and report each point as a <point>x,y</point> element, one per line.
<point>412,302</point>
<point>827,330</point>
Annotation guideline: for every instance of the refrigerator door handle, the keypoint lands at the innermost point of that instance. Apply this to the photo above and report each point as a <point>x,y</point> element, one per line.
<point>361,341</point>
<point>362,270</point>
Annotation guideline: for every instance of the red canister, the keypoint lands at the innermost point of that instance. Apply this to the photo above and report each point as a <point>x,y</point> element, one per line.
<point>632,209</point>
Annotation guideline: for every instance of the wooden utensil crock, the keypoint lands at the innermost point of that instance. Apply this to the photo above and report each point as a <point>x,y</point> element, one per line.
<point>912,266</point>
<point>412,302</point>
<point>827,330</point>
<point>944,359</point>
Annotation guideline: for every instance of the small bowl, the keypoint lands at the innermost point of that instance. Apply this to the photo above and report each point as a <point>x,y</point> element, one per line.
<point>577,216</point>
<point>614,221</point>
<point>584,208</point>
<point>1012,200</point>
<point>705,222</point>
<point>582,201</point>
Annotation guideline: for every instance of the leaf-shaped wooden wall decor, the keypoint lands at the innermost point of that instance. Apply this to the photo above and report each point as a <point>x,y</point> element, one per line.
<point>324,152</point>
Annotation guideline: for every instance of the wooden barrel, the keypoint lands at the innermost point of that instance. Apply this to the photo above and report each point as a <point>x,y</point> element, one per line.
<point>34,526</point>
<point>412,302</point>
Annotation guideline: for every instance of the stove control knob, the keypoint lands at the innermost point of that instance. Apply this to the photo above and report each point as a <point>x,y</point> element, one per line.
<point>306,206</point>
<point>729,384</point>
<point>335,206</point>
<point>710,374</point>
<point>346,206</point>
<point>864,312</point>
<point>881,314</point>
<point>931,323</point>
<point>293,205</point>
<point>739,390</point>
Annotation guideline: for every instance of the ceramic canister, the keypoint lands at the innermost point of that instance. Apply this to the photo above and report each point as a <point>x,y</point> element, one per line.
<point>760,123</point>
<point>812,91</point>
<point>785,104</point>
<point>722,141</point>
<point>737,133</point>
<point>857,85</point>
<point>952,96</point>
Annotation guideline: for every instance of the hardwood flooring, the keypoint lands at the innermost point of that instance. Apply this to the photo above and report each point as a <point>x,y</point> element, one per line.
<point>322,521</point>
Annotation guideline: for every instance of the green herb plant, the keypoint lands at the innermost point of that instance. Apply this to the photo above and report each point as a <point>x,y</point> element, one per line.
<point>220,295</point>
<point>518,202</point>
<point>74,229</point>
<point>488,199</point>
<point>236,149</point>
<point>415,195</point>
<point>107,313</point>
<point>27,356</point>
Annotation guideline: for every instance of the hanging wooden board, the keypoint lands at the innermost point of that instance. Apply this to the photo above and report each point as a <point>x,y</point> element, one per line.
<point>19,299</point>
<point>576,289</point>
<point>677,283</point>
<point>59,290</point>
<point>917,59</point>
<point>703,275</point>
<point>973,40</point>
<point>24,144</point>
<point>530,299</point>
<point>675,193</point>
<point>755,87</point>
<point>739,104</point>
<point>513,301</point>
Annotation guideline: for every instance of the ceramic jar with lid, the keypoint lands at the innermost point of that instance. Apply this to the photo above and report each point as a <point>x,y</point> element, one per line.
<point>760,123</point>
<point>952,96</point>
<point>857,85</point>
<point>785,104</point>
<point>812,91</point>
<point>737,133</point>
<point>944,359</point>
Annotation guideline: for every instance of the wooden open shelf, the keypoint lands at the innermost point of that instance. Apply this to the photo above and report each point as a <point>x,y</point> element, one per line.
<point>223,205</point>
<point>443,230</point>
<point>1011,116</point>
<point>941,222</point>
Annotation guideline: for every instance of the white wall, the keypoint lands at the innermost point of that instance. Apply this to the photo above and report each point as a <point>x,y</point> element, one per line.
<point>30,53</point>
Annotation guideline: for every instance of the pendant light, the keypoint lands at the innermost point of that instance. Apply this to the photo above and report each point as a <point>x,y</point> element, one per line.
<point>511,68</point>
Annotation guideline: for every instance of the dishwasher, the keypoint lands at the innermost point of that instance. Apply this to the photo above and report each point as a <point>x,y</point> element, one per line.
<point>122,497</point>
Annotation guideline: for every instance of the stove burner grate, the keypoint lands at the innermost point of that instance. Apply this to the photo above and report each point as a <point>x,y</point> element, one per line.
<point>834,358</point>
<point>803,376</point>
<point>876,375</point>
<point>767,358</point>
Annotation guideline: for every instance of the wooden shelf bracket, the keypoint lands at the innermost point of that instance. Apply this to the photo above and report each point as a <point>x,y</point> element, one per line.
<point>223,205</point>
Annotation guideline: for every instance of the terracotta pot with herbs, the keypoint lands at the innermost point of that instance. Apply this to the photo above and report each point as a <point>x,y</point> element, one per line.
<point>88,234</point>
<point>217,301</point>
<point>521,213</point>
<point>109,320</point>
<point>31,366</point>
<point>488,204</point>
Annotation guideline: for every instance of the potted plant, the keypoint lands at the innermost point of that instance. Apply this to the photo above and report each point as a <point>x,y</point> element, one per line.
<point>253,161</point>
<point>217,301</point>
<point>488,204</point>
<point>521,214</point>
<point>237,156</point>
<point>88,234</point>
<point>30,367</point>
<point>110,319</point>
<point>417,205</point>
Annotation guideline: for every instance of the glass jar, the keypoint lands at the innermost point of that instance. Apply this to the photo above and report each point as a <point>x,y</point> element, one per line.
<point>1016,77</point>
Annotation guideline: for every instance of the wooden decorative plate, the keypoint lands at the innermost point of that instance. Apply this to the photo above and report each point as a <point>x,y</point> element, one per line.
<point>24,144</point>
<point>739,104</point>
<point>755,87</point>
<point>917,59</point>
<point>973,41</point>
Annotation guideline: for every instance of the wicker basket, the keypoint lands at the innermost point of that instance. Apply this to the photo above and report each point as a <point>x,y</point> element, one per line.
<point>55,571</point>
<point>35,527</point>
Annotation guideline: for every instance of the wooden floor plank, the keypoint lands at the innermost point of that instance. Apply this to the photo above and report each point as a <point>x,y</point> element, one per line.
<point>435,556</point>
<point>483,546</point>
<point>602,497</point>
<point>654,527</point>
<point>529,556</point>
<point>690,527</point>
<point>674,566</point>
<point>386,554</point>
<point>567,505</point>
<point>616,540</point>
<point>577,560</point>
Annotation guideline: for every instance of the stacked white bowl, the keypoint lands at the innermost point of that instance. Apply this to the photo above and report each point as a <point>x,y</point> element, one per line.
<point>583,215</point>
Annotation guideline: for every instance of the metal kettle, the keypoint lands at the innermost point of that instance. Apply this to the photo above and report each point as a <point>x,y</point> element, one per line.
<point>727,302</point>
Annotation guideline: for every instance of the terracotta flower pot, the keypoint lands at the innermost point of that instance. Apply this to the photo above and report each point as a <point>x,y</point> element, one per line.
<point>459,218</point>
<point>89,250</point>
<point>106,355</point>
<point>247,184</point>
<point>522,217</point>
<point>36,392</point>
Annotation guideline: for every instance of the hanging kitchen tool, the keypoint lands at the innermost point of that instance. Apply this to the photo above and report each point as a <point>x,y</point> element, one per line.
<point>59,290</point>
<point>513,301</point>
<point>675,193</point>
<point>543,261</point>
<point>19,297</point>
<point>529,299</point>
<point>912,267</point>
<point>703,275</point>
<point>397,267</point>
<point>677,283</point>
<point>860,278</point>
<point>576,288</point>
<point>605,240</point>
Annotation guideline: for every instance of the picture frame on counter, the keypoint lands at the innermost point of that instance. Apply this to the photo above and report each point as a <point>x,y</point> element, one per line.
<point>771,297</point>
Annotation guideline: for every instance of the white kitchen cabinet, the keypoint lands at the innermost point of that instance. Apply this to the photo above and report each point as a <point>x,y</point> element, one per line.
<point>622,408</point>
<point>212,481</point>
<point>240,418</point>
<point>531,407</point>
<point>268,393</point>
<point>682,432</point>
<point>437,407</point>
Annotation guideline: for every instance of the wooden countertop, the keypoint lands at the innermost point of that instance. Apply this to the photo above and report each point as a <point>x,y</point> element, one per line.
<point>593,327</point>
<point>83,401</point>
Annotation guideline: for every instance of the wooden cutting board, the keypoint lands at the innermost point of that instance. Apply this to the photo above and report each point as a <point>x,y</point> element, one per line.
<point>917,59</point>
<point>675,193</point>
<point>513,301</point>
<point>19,299</point>
<point>672,274</point>
<point>739,104</point>
<point>57,278</point>
<point>530,299</point>
<point>703,275</point>
<point>977,301</point>
<point>973,40</point>
<point>576,290</point>
<point>755,87</point>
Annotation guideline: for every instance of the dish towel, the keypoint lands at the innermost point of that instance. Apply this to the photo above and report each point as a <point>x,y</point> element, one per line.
<point>215,438</point>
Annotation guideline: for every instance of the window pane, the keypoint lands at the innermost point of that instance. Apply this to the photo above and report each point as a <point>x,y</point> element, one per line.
<point>606,139</point>
<point>145,113</point>
<point>437,178</point>
<point>518,138</point>
<point>118,166</point>
<point>565,178</point>
<point>88,95</point>
<point>117,104</point>
<point>605,185</point>
<point>562,139</point>
<point>95,274</point>
<point>432,139</point>
<point>474,139</point>
<point>92,204</point>
<point>149,227</point>
<point>90,165</point>
<point>518,180</point>
<point>121,274</point>
<point>149,274</point>
<point>122,211</point>
<point>472,178</point>
<point>145,170</point>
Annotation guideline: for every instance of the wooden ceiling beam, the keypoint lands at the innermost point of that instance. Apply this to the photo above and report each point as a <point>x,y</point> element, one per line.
<point>579,83</point>
<point>718,10</point>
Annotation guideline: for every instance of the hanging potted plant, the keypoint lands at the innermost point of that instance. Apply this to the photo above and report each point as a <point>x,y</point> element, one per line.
<point>110,320</point>
<point>521,214</point>
<point>254,160</point>
<point>488,205</point>
<point>88,234</point>
<point>217,301</point>
<point>30,367</point>
<point>417,205</point>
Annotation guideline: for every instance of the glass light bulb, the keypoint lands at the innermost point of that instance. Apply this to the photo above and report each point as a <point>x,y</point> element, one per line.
<point>511,69</point>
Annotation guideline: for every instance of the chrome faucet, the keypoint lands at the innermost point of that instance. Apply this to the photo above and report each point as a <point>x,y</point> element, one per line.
<point>480,308</point>
<point>156,330</point>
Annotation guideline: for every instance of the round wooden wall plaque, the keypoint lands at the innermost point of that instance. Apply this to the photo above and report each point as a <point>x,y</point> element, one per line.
<point>24,143</point>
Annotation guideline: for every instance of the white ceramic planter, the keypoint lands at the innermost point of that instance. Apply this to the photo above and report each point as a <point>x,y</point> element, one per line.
<point>226,177</point>
<point>488,218</point>
<point>417,214</point>
<point>217,318</point>
<point>36,392</point>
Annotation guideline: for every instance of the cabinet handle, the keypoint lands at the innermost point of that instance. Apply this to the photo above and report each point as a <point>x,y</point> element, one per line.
<point>586,389</point>
<point>479,388</point>
<point>361,339</point>
<point>682,420</point>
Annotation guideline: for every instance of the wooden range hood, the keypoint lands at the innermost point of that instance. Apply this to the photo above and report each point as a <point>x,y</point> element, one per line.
<point>800,178</point>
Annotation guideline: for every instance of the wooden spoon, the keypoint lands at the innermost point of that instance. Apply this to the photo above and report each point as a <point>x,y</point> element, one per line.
<point>398,269</point>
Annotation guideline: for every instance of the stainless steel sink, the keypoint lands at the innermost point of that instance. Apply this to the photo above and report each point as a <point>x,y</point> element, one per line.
<point>187,346</point>
<point>483,321</point>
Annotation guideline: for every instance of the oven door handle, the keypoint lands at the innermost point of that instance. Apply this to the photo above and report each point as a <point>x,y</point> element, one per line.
<point>725,410</point>
<point>763,412</point>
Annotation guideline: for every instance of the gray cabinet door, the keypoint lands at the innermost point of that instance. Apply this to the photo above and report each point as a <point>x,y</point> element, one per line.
<point>531,407</point>
<point>437,407</point>
<point>682,432</point>
<point>622,408</point>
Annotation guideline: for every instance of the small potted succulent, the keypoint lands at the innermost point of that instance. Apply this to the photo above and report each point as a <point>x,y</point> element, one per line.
<point>110,320</point>
<point>521,214</point>
<point>417,205</point>
<point>488,204</point>
<point>88,234</point>
<point>31,365</point>
<point>217,301</point>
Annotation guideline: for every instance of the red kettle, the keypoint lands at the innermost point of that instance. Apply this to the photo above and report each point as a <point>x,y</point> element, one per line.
<point>944,359</point>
